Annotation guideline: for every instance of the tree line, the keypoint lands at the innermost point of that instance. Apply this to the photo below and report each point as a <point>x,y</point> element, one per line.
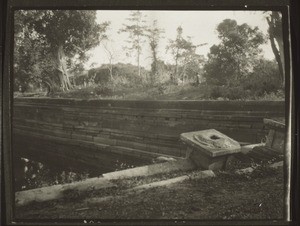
<point>51,46</point>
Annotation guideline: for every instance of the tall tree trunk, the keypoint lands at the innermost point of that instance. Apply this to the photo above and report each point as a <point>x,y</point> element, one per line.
<point>183,74</point>
<point>278,58</point>
<point>153,66</point>
<point>138,62</point>
<point>62,68</point>
<point>275,33</point>
<point>110,68</point>
<point>278,35</point>
<point>111,73</point>
<point>281,53</point>
<point>49,87</point>
<point>176,64</point>
<point>110,58</point>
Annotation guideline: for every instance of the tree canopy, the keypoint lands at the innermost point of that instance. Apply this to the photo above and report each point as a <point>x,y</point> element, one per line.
<point>136,31</point>
<point>51,49</point>
<point>60,37</point>
<point>236,54</point>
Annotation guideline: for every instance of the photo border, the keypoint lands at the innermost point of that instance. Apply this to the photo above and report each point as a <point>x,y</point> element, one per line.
<point>290,66</point>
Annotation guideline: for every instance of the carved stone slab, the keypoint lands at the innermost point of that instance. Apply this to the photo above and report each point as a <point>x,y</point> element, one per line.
<point>211,142</point>
<point>209,149</point>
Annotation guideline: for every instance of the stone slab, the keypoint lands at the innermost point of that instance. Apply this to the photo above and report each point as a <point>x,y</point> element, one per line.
<point>276,136</point>
<point>57,191</point>
<point>164,183</point>
<point>279,124</point>
<point>168,182</point>
<point>211,142</point>
<point>277,165</point>
<point>207,162</point>
<point>278,143</point>
<point>246,148</point>
<point>166,167</point>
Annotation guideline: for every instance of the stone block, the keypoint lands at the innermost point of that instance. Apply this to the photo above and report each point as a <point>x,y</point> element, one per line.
<point>209,149</point>
<point>276,137</point>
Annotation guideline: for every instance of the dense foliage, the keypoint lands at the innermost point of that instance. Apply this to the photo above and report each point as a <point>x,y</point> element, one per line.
<point>51,48</point>
<point>236,68</point>
<point>236,55</point>
<point>55,44</point>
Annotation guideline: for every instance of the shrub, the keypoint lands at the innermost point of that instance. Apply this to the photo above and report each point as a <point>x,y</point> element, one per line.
<point>215,92</point>
<point>103,91</point>
<point>226,93</point>
<point>236,93</point>
<point>279,95</point>
<point>264,79</point>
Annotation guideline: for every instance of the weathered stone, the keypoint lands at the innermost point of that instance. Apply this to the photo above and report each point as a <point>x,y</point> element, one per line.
<point>164,183</point>
<point>148,170</point>
<point>169,182</point>
<point>246,148</point>
<point>209,149</point>
<point>276,137</point>
<point>248,170</point>
<point>211,142</point>
<point>156,129</point>
<point>57,191</point>
<point>164,159</point>
<point>277,165</point>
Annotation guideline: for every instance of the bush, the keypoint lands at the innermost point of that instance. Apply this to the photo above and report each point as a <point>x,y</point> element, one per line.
<point>264,79</point>
<point>279,95</point>
<point>216,92</point>
<point>226,93</point>
<point>103,91</point>
<point>236,93</point>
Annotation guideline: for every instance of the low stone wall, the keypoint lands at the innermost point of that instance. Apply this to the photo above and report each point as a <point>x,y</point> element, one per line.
<point>90,130</point>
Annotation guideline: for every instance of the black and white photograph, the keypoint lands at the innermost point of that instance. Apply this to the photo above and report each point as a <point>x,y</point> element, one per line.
<point>175,115</point>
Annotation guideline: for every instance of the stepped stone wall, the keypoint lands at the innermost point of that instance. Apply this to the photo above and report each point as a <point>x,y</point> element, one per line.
<point>103,130</point>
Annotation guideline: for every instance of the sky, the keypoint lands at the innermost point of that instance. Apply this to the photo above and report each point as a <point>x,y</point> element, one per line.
<point>199,25</point>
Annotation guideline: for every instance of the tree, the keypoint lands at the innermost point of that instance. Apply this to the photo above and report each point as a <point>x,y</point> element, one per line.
<point>183,50</point>
<point>236,55</point>
<point>263,79</point>
<point>274,20</point>
<point>154,35</point>
<point>62,34</point>
<point>136,30</point>
<point>30,59</point>
<point>193,68</point>
<point>191,63</point>
<point>177,48</point>
<point>110,55</point>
